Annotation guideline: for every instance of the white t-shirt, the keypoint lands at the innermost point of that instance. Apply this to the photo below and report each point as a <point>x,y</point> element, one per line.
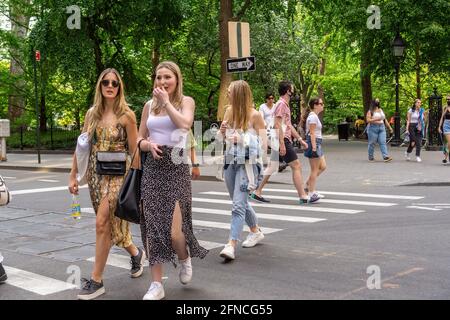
<point>267,114</point>
<point>314,119</point>
<point>414,115</point>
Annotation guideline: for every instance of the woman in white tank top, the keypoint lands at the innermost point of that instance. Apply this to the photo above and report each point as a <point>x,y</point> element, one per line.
<point>166,194</point>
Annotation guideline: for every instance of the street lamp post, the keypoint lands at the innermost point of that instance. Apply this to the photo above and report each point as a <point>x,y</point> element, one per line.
<point>398,46</point>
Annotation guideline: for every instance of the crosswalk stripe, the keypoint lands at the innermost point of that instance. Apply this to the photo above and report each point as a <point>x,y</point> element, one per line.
<point>40,190</point>
<point>299,207</point>
<point>35,283</point>
<point>349,194</point>
<point>260,215</point>
<point>118,261</point>
<point>123,262</point>
<point>48,180</point>
<point>361,203</point>
<point>226,226</point>
<point>423,208</point>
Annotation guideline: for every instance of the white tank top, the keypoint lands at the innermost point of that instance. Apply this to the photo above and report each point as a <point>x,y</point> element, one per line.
<point>164,132</point>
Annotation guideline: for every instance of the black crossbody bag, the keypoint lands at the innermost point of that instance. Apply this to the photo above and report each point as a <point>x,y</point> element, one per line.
<point>111,163</point>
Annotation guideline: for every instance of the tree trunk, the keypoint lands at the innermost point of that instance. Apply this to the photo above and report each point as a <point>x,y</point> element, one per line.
<point>366,82</point>
<point>156,55</point>
<point>418,87</point>
<point>320,87</point>
<point>19,27</point>
<point>226,14</point>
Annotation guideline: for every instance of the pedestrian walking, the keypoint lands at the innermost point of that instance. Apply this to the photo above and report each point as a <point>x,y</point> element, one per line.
<point>313,128</point>
<point>444,128</point>
<point>376,130</point>
<point>242,124</point>
<point>266,110</point>
<point>284,150</point>
<point>415,124</point>
<point>166,221</point>
<point>112,130</point>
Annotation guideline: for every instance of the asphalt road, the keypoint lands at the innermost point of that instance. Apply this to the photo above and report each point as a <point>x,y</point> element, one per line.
<point>361,242</point>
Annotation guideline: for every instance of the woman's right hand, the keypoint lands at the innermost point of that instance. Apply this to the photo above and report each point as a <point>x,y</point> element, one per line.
<point>73,185</point>
<point>440,130</point>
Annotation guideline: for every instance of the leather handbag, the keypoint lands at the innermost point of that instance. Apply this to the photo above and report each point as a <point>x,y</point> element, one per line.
<point>111,163</point>
<point>129,200</point>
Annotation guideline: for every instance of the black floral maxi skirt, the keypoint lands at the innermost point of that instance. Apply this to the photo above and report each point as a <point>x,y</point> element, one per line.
<point>163,184</point>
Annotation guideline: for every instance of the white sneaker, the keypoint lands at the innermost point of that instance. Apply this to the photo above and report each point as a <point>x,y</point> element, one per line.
<point>407,156</point>
<point>418,159</point>
<point>155,292</point>
<point>186,271</point>
<point>252,239</point>
<point>321,196</point>
<point>227,252</point>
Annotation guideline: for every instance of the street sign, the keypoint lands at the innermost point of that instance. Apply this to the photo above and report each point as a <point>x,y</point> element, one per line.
<point>241,64</point>
<point>238,39</point>
<point>38,55</point>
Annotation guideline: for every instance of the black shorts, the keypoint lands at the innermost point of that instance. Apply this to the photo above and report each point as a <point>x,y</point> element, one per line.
<point>290,155</point>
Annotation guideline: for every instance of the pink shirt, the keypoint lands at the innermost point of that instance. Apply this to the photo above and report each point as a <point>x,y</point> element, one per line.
<point>282,110</point>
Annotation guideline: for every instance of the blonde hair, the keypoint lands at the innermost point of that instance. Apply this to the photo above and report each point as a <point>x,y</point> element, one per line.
<point>241,101</point>
<point>177,98</point>
<point>98,108</point>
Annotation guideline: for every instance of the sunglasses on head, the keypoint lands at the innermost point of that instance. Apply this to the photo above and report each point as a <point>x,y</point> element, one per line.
<point>106,83</point>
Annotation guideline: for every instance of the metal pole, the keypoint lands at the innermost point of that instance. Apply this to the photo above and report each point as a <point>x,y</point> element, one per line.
<point>38,142</point>
<point>396,141</point>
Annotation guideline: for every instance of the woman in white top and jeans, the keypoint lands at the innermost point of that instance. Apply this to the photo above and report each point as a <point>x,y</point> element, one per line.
<point>376,130</point>
<point>415,125</point>
<point>313,129</point>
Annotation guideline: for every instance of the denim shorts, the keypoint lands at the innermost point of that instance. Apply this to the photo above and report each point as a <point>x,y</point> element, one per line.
<point>446,127</point>
<point>309,152</point>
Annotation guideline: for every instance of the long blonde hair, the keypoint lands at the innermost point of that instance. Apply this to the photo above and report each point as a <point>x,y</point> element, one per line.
<point>177,98</point>
<point>98,108</point>
<point>241,101</point>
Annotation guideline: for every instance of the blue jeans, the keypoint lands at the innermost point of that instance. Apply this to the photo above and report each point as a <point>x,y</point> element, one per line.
<point>377,133</point>
<point>237,182</point>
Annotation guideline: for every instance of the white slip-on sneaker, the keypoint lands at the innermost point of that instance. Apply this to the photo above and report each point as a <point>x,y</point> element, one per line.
<point>227,252</point>
<point>186,271</point>
<point>418,159</point>
<point>252,239</point>
<point>155,292</point>
<point>407,156</point>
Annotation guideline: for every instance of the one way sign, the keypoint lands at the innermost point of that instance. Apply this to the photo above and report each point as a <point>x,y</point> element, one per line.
<point>241,64</point>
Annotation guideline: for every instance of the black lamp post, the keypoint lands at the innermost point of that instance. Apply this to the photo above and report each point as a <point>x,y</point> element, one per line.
<point>398,48</point>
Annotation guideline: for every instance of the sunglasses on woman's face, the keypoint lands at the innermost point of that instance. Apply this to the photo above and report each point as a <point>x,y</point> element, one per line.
<point>114,83</point>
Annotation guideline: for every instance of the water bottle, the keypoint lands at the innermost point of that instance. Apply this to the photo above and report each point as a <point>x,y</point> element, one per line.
<point>76,209</point>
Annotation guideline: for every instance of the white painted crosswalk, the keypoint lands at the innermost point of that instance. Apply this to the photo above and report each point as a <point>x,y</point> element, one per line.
<point>35,283</point>
<point>211,217</point>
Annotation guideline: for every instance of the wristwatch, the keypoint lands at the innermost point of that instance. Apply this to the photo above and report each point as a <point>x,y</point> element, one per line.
<point>195,165</point>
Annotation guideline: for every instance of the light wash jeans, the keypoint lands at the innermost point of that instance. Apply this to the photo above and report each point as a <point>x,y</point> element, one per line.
<point>377,133</point>
<point>237,183</point>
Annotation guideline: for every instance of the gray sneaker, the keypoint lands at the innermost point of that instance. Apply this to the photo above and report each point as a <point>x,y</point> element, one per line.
<point>137,264</point>
<point>91,289</point>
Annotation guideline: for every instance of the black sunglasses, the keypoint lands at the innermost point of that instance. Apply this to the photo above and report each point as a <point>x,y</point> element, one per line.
<point>114,83</point>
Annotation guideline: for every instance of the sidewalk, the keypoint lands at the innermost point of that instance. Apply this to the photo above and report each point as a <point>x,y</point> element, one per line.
<point>346,164</point>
